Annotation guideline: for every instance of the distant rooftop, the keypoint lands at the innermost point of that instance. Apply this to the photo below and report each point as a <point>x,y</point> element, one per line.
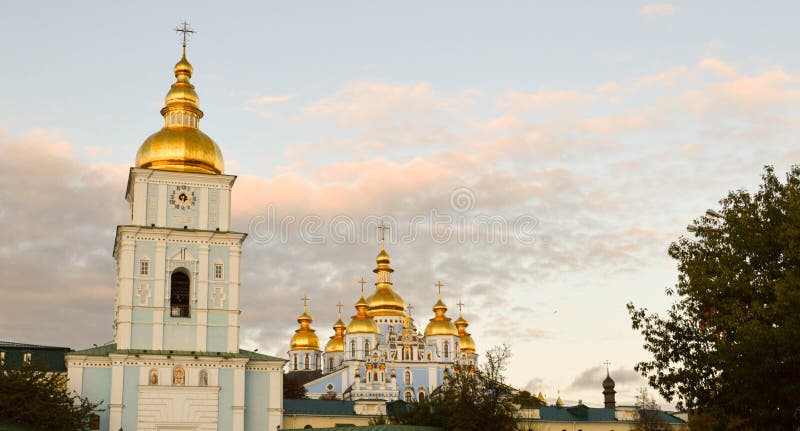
<point>15,345</point>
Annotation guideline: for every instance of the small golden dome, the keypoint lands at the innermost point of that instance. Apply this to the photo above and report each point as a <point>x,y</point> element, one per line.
<point>304,338</point>
<point>362,323</point>
<point>336,342</point>
<point>440,324</point>
<point>466,343</point>
<point>180,145</point>
<point>334,345</point>
<point>385,302</point>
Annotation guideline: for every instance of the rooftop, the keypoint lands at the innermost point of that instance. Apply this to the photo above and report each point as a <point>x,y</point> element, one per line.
<point>112,348</point>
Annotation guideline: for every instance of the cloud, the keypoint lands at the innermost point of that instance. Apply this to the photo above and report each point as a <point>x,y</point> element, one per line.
<point>592,378</point>
<point>262,100</point>
<point>659,9</point>
<point>60,214</point>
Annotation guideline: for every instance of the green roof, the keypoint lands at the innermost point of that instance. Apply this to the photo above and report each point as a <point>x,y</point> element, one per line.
<point>378,428</point>
<point>582,413</point>
<point>112,348</point>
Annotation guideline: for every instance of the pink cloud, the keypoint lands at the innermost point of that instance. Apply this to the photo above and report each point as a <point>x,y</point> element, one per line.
<point>659,9</point>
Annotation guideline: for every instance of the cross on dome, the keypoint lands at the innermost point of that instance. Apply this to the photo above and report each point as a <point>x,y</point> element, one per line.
<point>305,300</point>
<point>460,306</point>
<point>439,285</point>
<point>362,282</point>
<point>339,305</point>
<point>186,30</point>
<point>383,228</point>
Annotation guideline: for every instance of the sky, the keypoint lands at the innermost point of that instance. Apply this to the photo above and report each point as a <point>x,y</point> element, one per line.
<point>536,158</point>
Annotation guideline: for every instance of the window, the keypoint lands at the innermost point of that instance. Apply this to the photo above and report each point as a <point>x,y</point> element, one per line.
<point>421,395</point>
<point>330,364</point>
<point>353,348</point>
<point>409,397</point>
<point>306,362</point>
<point>366,349</point>
<point>144,266</point>
<point>446,349</point>
<point>2,358</point>
<point>407,377</point>
<point>26,357</point>
<point>94,422</point>
<point>203,380</point>
<point>179,294</point>
<point>218,271</point>
<point>294,367</point>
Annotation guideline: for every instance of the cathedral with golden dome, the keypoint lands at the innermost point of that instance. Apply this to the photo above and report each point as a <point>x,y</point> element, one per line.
<point>381,354</point>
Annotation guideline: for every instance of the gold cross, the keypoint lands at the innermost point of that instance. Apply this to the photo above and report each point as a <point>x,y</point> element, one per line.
<point>383,228</point>
<point>186,30</point>
<point>305,299</point>
<point>363,282</point>
<point>460,305</point>
<point>340,308</point>
<point>439,285</point>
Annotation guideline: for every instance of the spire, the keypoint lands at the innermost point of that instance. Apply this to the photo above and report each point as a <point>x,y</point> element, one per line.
<point>362,322</point>
<point>336,342</point>
<point>440,324</point>
<point>609,394</point>
<point>304,337</point>
<point>465,338</point>
<point>384,302</point>
<point>180,145</point>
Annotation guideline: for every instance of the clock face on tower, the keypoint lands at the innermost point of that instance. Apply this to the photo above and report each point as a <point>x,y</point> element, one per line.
<point>182,198</point>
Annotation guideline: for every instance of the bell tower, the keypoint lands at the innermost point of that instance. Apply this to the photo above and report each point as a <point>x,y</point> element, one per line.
<point>177,260</point>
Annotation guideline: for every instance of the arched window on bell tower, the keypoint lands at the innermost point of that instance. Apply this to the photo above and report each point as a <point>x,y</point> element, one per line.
<point>179,293</point>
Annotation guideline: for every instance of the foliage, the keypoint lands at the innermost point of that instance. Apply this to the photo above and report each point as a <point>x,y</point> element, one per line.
<point>648,414</point>
<point>467,401</point>
<point>378,420</point>
<point>727,348</point>
<point>38,400</point>
<point>292,388</point>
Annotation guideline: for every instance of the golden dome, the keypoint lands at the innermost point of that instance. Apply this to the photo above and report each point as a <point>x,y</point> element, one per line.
<point>180,145</point>
<point>304,337</point>
<point>385,302</point>
<point>362,323</point>
<point>465,338</point>
<point>336,342</point>
<point>440,324</point>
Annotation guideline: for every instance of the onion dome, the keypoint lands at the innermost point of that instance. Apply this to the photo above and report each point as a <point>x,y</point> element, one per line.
<point>385,302</point>
<point>180,145</point>
<point>559,401</point>
<point>304,337</point>
<point>540,397</point>
<point>362,323</point>
<point>465,338</point>
<point>440,324</point>
<point>608,382</point>
<point>336,342</point>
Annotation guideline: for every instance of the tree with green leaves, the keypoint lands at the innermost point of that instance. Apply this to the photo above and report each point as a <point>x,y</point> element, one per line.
<point>468,400</point>
<point>728,349</point>
<point>292,387</point>
<point>38,400</point>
